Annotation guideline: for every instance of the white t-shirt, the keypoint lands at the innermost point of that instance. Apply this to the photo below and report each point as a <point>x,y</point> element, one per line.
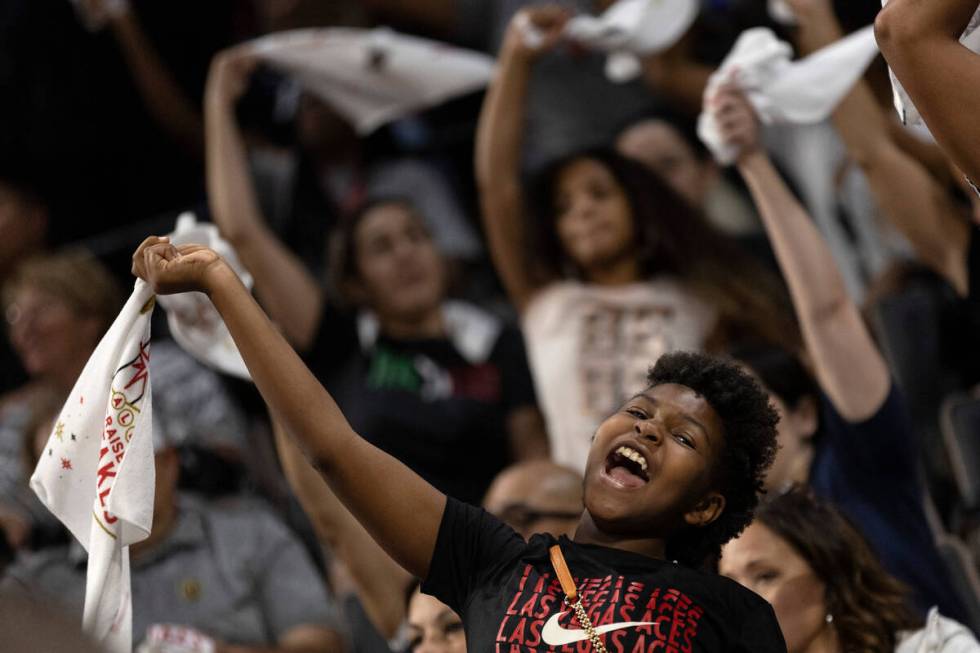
<point>590,348</point>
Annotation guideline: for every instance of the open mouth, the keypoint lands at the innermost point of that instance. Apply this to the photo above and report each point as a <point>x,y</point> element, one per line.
<point>627,467</point>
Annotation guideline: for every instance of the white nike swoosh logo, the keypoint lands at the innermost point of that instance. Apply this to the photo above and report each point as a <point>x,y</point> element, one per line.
<point>554,635</point>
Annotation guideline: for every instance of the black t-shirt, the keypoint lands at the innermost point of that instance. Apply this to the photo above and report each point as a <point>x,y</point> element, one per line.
<point>424,403</point>
<point>510,600</point>
<point>870,471</point>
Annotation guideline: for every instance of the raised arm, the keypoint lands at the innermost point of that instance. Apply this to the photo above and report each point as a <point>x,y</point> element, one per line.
<point>903,188</point>
<point>398,508</point>
<point>163,98</point>
<point>498,147</point>
<point>920,41</point>
<point>380,581</point>
<point>286,289</point>
<point>848,366</point>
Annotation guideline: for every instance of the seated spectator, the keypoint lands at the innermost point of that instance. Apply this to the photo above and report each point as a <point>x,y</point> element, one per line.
<point>232,573</point>
<point>670,147</point>
<point>614,269</point>
<point>864,458</point>
<point>303,193</point>
<point>453,376</point>
<point>828,589</point>
<point>57,307</point>
<point>537,496</point>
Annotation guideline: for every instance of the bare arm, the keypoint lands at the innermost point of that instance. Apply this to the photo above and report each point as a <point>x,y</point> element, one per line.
<point>528,436</point>
<point>498,150</point>
<point>398,508</point>
<point>380,581</point>
<point>282,283</point>
<point>849,368</point>
<point>920,41</point>
<point>161,95</point>
<point>903,189</point>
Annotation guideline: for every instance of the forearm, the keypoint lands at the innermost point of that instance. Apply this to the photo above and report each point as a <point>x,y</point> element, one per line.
<point>848,366</point>
<point>161,94</point>
<point>902,22</point>
<point>282,283</point>
<point>399,509</point>
<point>498,165</point>
<point>378,580</point>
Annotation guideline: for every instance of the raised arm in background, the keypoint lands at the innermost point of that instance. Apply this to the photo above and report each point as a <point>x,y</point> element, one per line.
<point>905,191</point>
<point>848,366</point>
<point>380,582</point>
<point>286,289</point>
<point>397,507</point>
<point>163,98</point>
<point>498,147</point>
<point>920,41</point>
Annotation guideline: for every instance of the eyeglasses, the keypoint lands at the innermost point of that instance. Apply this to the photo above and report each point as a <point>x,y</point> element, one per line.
<point>521,515</point>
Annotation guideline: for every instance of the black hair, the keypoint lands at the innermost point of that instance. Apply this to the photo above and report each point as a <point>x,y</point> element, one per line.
<point>749,421</point>
<point>685,128</point>
<point>780,371</point>
<point>672,238</point>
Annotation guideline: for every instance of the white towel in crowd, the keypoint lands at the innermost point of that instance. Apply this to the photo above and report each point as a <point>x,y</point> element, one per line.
<point>96,473</point>
<point>374,76</point>
<point>631,29</point>
<point>627,30</point>
<point>804,92</point>
<point>194,321</point>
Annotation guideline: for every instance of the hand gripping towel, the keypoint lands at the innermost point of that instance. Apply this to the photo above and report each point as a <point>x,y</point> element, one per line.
<point>803,92</point>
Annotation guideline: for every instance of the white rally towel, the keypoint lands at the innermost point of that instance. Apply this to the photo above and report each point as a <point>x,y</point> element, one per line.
<point>96,473</point>
<point>631,29</point>
<point>907,112</point>
<point>194,321</point>
<point>372,77</point>
<point>627,30</point>
<point>803,92</point>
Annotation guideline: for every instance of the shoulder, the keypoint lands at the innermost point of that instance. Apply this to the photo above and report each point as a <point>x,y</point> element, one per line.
<point>240,523</point>
<point>940,634</point>
<point>42,571</point>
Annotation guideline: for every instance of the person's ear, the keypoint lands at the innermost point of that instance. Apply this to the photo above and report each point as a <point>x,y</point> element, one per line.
<point>706,511</point>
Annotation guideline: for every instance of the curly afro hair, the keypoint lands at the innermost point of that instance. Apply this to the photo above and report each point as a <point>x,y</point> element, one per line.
<point>749,421</point>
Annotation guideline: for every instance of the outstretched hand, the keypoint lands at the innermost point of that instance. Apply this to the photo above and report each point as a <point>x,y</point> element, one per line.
<point>535,30</point>
<point>171,269</point>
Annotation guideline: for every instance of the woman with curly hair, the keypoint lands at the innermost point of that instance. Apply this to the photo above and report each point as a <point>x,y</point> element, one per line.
<point>828,589</point>
<point>607,265</point>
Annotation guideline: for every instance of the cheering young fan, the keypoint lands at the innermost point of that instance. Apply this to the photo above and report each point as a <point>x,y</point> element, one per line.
<point>671,476</point>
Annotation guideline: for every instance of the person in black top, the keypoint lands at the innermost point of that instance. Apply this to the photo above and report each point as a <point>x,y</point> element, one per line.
<point>671,477</point>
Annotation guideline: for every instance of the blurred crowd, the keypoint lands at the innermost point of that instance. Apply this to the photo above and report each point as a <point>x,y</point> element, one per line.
<point>479,284</point>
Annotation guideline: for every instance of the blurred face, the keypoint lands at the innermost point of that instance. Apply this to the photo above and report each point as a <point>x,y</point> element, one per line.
<point>537,498</point>
<point>766,564</point>
<point>793,433</point>
<point>47,334</point>
<point>594,217</point>
<point>433,626</point>
<point>649,471</point>
<point>658,146</point>
<point>401,274</point>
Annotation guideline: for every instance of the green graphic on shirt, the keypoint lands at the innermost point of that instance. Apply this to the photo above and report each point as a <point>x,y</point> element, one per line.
<point>391,370</point>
